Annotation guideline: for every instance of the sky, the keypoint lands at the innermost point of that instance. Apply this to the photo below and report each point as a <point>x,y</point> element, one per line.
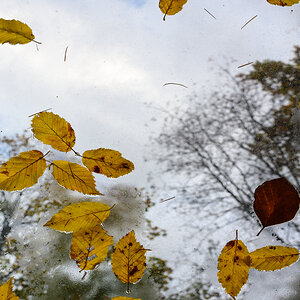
<point>120,53</point>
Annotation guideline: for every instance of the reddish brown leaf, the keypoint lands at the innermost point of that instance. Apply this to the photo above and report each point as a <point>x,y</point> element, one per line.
<point>276,201</point>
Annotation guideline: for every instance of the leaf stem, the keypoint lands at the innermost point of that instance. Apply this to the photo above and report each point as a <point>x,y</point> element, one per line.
<point>85,272</point>
<point>164,18</point>
<point>46,153</point>
<point>75,152</point>
<point>128,291</point>
<point>39,112</point>
<point>37,42</point>
<point>260,231</point>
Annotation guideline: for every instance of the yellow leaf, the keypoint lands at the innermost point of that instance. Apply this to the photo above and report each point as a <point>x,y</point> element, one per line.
<point>283,2</point>
<point>107,162</point>
<point>128,259</point>
<point>124,298</point>
<point>89,247</point>
<point>79,216</point>
<point>234,265</point>
<point>74,177</point>
<point>6,292</point>
<point>22,171</point>
<point>272,258</point>
<point>171,7</point>
<point>53,130</point>
<point>15,32</point>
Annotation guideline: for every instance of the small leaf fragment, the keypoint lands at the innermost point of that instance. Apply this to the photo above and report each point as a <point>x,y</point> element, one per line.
<point>283,2</point>
<point>276,201</point>
<point>128,259</point>
<point>74,177</point>
<point>6,291</point>
<point>234,264</point>
<point>79,216</point>
<point>171,7</point>
<point>90,246</point>
<point>22,171</point>
<point>15,32</point>
<point>53,130</point>
<point>273,258</point>
<point>107,162</point>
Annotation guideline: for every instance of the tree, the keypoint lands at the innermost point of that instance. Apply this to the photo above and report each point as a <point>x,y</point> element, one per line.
<point>280,141</point>
<point>224,145</point>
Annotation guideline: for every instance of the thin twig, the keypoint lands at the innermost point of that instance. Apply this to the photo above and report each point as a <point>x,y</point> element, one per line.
<point>244,65</point>
<point>167,199</point>
<point>210,13</point>
<point>175,83</point>
<point>248,22</point>
<point>65,57</point>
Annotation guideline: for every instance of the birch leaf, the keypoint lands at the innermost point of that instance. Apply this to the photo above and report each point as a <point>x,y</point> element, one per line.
<point>6,292</point>
<point>15,32</point>
<point>107,162</point>
<point>90,246</point>
<point>272,258</point>
<point>22,171</point>
<point>128,259</point>
<point>53,130</point>
<point>283,2</point>
<point>276,201</point>
<point>74,177</point>
<point>234,264</point>
<point>79,216</point>
<point>171,7</point>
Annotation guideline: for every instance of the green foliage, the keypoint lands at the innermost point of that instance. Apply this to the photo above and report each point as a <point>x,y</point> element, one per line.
<point>280,140</point>
<point>196,291</point>
<point>154,231</point>
<point>277,77</point>
<point>12,145</point>
<point>160,273</point>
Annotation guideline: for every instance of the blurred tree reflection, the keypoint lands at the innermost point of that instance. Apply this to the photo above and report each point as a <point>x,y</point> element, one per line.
<point>39,259</point>
<point>224,145</point>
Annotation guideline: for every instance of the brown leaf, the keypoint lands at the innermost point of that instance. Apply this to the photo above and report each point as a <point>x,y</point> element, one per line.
<point>276,201</point>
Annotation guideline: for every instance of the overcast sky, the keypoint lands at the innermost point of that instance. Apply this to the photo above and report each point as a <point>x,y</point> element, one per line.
<point>120,53</point>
